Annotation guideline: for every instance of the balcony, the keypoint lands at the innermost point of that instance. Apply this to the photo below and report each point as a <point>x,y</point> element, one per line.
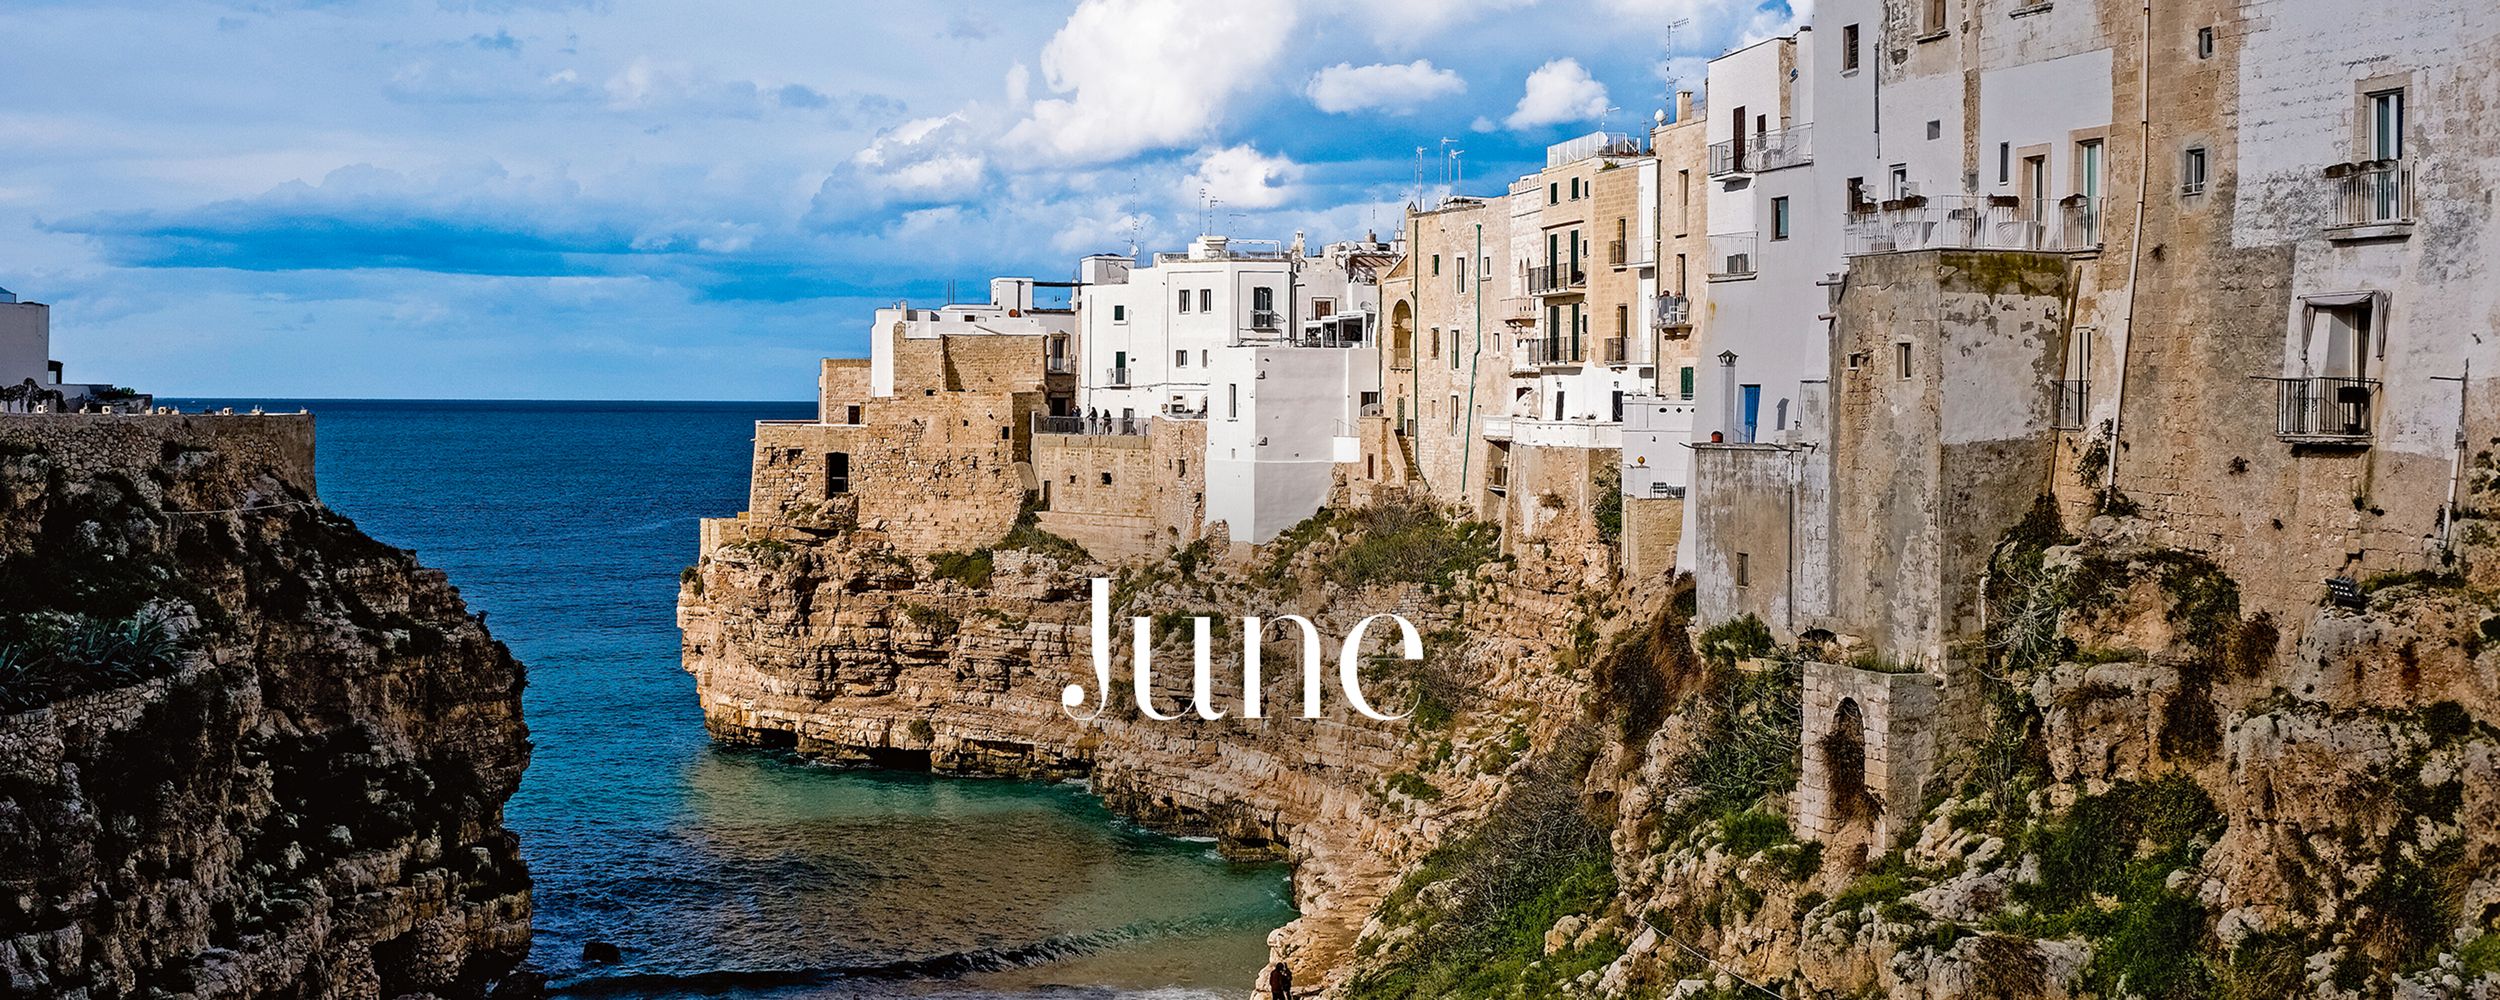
<point>1945,222</point>
<point>2079,223</point>
<point>1614,253</point>
<point>1266,319</point>
<point>2074,397</point>
<point>1116,377</point>
<point>1555,351</point>
<point>1183,411</point>
<point>1617,350</point>
<point>1675,312</point>
<point>2325,410</point>
<point>1044,423</point>
<point>1556,279</point>
<point>2371,195</point>
<point>1760,151</point>
<point>1732,255</point>
<point>1369,410</point>
<point>1059,365</point>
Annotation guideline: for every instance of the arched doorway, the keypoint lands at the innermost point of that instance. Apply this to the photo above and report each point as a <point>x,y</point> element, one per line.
<point>1843,749</point>
<point>1402,335</point>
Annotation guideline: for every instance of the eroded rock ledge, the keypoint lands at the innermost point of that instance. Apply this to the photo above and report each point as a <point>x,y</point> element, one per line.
<point>305,798</point>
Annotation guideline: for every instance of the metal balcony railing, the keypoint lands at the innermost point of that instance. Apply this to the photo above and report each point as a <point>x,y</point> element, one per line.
<point>1117,376</point>
<point>1732,254</point>
<point>1614,253</point>
<point>2079,223</point>
<point>1059,365</point>
<point>1556,351</point>
<point>2325,409</point>
<point>1955,222</point>
<point>2372,194</point>
<point>1266,319</point>
<point>1555,278</point>
<point>1759,151</point>
<point>2074,397</point>
<point>1044,423</point>
<point>1617,349</point>
<point>1674,311</point>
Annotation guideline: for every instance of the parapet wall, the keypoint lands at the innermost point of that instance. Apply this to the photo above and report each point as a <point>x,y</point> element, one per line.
<point>930,473</point>
<point>91,444</point>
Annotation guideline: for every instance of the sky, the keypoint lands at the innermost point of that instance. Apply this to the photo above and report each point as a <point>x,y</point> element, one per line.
<point>665,199</point>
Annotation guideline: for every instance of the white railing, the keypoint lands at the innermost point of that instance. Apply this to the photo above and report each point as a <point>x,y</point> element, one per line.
<point>1044,423</point>
<point>2371,194</point>
<point>1732,254</point>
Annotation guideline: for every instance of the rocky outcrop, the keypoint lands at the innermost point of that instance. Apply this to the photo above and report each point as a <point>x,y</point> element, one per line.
<point>831,643</point>
<point>281,772</point>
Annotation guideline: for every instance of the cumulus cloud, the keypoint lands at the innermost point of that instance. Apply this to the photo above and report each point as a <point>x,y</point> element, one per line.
<point>1146,74</point>
<point>925,158</point>
<point>1559,91</point>
<point>1243,177</point>
<point>1397,89</point>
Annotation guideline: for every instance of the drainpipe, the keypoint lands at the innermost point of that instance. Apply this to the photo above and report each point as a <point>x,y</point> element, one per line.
<point>1467,441</point>
<point>2135,243</point>
<point>2456,463</point>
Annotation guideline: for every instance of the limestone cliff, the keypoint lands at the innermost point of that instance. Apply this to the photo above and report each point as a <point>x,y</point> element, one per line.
<point>246,750</point>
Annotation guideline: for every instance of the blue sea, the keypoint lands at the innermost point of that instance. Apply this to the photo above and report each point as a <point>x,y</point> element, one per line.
<point>721,872</point>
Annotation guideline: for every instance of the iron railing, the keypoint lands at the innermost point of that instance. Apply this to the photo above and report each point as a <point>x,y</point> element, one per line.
<point>1265,319</point>
<point>1118,376</point>
<point>1674,311</point>
<point>2375,193</point>
<point>1062,365</point>
<point>2325,409</point>
<point>1759,151</point>
<point>1617,349</point>
<point>1556,350</point>
<point>1732,254</point>
<point>1553,278</point>
<point>1959,222</point>
<point>1044,423</point>
<point>2074,398</point>
<point>1614,253</point>
<point>2079,223</point>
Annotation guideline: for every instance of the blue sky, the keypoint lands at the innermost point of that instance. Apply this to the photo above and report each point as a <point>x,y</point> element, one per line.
<point>627,199</point>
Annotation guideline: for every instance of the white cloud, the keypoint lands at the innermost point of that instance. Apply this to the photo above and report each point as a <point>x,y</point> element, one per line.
<point>923,158</point>
<point>1243,177</point>
<point>1393,88</point>
<point>1143,74</point>
<point>1402,24</point>
<point>1558,92</point>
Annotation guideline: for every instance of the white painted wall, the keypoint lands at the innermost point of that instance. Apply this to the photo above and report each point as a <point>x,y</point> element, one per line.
<point>25,343</point>
<point>1271,427</point>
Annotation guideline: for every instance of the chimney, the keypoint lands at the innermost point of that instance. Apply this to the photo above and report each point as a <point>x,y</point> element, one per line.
<point>1683,105</point>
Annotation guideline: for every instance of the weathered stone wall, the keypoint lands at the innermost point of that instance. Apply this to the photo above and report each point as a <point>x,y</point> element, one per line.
<point>1936,455</point>
<point>310,804</point>
<point>1651,528</point>
<point>1125,495</point>
<point>1750,510</point>
<point>1897,736</point>
<point>929,472</point>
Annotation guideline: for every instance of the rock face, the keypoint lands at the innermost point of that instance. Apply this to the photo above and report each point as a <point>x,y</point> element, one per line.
<point>305,801</point>
<point>833,644</point>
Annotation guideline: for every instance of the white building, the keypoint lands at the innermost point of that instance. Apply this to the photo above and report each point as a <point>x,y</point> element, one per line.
<point>1275,349</point>
<point>30,379</point>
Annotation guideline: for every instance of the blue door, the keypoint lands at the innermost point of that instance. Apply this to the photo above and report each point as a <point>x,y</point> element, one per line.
<point>1751,401</point>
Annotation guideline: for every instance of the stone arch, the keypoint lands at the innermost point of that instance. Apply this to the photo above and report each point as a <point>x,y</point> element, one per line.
<point>1843,750</point>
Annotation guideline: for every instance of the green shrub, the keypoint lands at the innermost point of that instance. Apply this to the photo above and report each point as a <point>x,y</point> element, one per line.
<point>48,656</point>
<point>1413,786</point>
<point>971,569</point>
<point>1736,639</point>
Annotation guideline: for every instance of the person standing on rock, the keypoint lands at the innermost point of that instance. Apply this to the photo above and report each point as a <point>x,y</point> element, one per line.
<point>1280,981</point>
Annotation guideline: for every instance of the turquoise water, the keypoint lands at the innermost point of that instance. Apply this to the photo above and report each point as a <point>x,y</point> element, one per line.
<point>741,873</point>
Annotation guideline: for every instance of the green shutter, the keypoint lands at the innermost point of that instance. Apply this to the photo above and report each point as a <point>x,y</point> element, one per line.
<point>1686,381</point>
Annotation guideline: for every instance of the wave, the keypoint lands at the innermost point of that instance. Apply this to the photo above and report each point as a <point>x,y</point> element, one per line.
<point>951,965</point>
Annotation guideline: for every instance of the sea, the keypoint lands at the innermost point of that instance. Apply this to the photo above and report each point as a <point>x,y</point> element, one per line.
<point>722,872</point>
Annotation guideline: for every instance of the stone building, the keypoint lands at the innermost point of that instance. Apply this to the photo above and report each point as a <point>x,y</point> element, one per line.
<point>1658,425</point>
<point>1449,360</point>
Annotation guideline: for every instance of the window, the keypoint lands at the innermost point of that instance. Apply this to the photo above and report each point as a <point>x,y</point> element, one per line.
<point>1900,180</point>
<point>1553,193</point>
<point>2192,171</point>
<point>1180,359</point>
<point>837,473</point>
<point>1744,569</point>
<point>1779,218</point>
<point>1436,342</point>
<point>2342,337</point>
<point>1263,299</point>
<point>1484,267</point>
<point>1858,201</point>
<point>2005,163</point>
<point>1558,404</point>
<point>1232,401</point>
<point>1202,358</point>
<point>1106,479</point>
<point>850,414</point>
<point>1322,308</point>
<point>1849,49</point>
<point>1206,300</point>
<point>2387,125</point>
<point>1453,413</point>
<point>1857,360</point>
<point>2204,43</point>
<point>1436,265</point>
<point>1453,350</point>
<point>1462,276</point>
<point>1901,360</point>
<point>1935,16</point>
<point>1684,382</point>
<point>1184,300</point>
<point>1618,406</point>
<point>1935,129</point>
<point>1119,314</point>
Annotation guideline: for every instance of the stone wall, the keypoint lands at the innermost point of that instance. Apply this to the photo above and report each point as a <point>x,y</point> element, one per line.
<point>928,472</point>
<point>1750,511</point>
<point>1651,528</point>
<point>99,443</point>
<point>1898,738</point>
<point>1123,496</point>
